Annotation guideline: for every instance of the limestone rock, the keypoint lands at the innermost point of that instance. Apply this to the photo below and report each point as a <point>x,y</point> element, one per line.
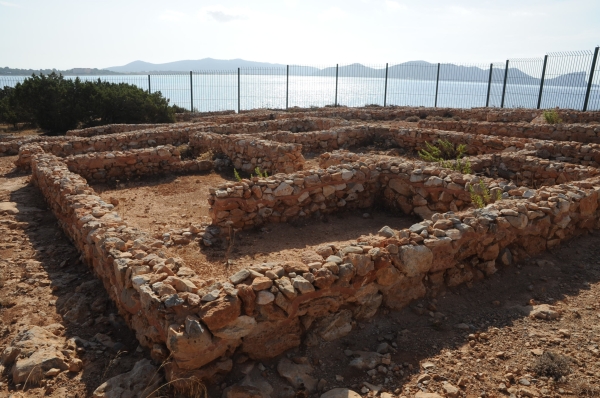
<point>261,283</point>
<point>297,374</point>
<point>450,390</point>
<point>216,314</point>
<point>387,232</point>
<point>194,346</point>
<point>38,350</point>
<point>269,339</point>
<point>264,297</point>
<point>239,276</point>
<point>415,259</point>
<point>334,326</point>
<point>362,263</point>
<point>422,394</point>
<point>139,382</point>
<point>237,329</point>
<point>302,285</point>
<point>543,311</point>
<point>310,256</point>
<point>366,360</point>
<point>340,393</point>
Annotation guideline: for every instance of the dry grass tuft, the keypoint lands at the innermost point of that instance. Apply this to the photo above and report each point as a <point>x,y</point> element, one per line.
<point>582,388</point>
<point>553,365</point>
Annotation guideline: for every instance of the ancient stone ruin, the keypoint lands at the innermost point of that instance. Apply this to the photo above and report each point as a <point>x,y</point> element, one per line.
<point>529,187</point>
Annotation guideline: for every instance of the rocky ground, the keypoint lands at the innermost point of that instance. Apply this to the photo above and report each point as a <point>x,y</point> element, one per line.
<point>174,205</point>
<point>531,330</point>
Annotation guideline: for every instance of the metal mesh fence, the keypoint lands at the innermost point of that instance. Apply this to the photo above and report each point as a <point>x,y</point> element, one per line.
<point>566,79</point>
<point>523,83</point>
<point>311,86</point>
<point>594,99</point>
<point>214,90</point>
<point>411,84</point>
<point>559,79</point>
<point>262,88</point>
<point>462,85</point>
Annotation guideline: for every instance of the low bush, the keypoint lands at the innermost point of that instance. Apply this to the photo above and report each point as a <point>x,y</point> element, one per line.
<point>551,116</point>
<point>443,152</point>
<point>57,104</point>
<point>412,119</point>
<point>551,364</point>
<point>481,195</point>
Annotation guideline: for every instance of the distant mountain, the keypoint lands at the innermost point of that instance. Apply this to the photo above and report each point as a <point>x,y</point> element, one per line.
<point>6,71</point>
<point>412,70</point>
<point>188,65</point>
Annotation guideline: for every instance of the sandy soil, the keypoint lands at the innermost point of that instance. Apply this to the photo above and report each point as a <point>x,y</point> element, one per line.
<point>164,204</point>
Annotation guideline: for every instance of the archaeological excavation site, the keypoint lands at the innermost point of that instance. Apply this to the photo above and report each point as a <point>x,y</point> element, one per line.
<point>242,247</point>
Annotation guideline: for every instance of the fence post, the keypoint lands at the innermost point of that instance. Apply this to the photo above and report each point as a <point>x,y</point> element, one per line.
<point>385,89</point>
<point>149,91</point>
<point>542,81</point>
<point>238,90</point>
<point>437,83</point>
<point>287,86</point>
<point>504,84</point>
<point>336,84</point>
<point>589,86</point>
<point>487,100</point>
<point>191,94</point>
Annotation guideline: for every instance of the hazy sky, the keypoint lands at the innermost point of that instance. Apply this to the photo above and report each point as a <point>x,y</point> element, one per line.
<point>64,34</point>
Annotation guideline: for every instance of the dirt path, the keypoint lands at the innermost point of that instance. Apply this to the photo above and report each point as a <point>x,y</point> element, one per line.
<point>43,283</point>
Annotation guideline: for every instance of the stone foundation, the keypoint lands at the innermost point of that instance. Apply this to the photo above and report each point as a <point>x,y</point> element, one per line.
<point>268,308</point>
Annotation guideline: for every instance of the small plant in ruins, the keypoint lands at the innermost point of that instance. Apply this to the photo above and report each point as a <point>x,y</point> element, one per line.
<point>263,174</point>
<point>236,175</point>
<point>482,196</point>
<point>443,152</point>
<point>551,116</point>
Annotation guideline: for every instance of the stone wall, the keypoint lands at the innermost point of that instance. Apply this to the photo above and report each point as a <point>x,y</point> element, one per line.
<point>111,129</point>
<point>192,116</point>
<point>479,114</point>
<point>105,166</point>
<point>116,142</point>
<point>247,152</point>
<point>265,310</point>
<point>525,169</point>
<point>411,187</point>
<point>587,133</point>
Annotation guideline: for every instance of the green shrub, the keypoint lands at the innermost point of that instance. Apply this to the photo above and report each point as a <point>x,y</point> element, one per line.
<point>551,116</point>
<point>482,196</point>
<point>442,150</point>
<point>259,173</point>
<point>447,155</point>
<point>57,104</point>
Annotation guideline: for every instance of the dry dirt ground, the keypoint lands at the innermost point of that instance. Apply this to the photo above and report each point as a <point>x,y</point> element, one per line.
<point>477,338</point>
<point>169,203</point>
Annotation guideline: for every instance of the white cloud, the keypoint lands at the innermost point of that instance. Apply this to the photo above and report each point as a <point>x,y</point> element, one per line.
<point>8,4</point>
<point>332,13</point>
<point>394,5</point>
<point>172,16</point>
<point>223,14</point>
